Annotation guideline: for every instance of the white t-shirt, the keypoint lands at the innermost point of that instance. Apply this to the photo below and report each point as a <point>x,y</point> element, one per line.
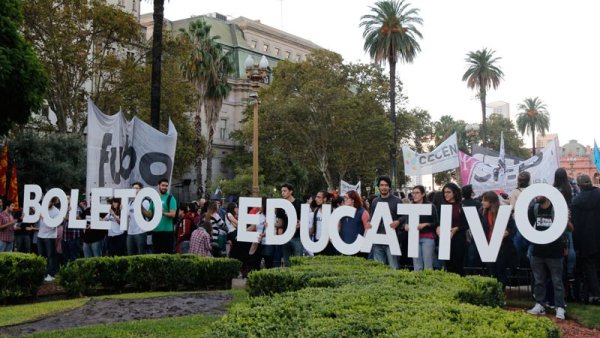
<point>134,228</point>
<point>115,228</point>
<point>260,227</point>
<point>311,219</point>
<point>45,230</point>
<point>230,227</point>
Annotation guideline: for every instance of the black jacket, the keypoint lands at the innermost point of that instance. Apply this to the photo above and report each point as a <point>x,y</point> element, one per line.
<point>585,215</point>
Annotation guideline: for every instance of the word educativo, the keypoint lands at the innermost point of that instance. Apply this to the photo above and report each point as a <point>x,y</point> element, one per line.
<point>330,220</point>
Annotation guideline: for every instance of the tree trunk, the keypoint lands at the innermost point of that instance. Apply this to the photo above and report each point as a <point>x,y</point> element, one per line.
<point>482,94</point>
<point>393,120</point>
<point>159,8</point>
<point>198,149</point>
<point>533,140</point>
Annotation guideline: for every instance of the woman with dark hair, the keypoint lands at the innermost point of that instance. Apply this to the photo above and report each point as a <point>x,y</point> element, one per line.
<point>561,182</point>
<point>427,225</point>
<point>490,203</point>
<point>183,229</point>
<point>452,196</point>
<point>117,238</point>
<point>219,229</point>
<point>522,182</point>
<point>351,227</point>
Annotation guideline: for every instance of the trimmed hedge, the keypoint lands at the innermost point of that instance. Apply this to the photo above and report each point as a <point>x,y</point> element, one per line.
<point>147,273</point>
<point>20,275</point>
<point>351,297</point>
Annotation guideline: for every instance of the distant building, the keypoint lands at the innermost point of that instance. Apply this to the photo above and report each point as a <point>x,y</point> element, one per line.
<point>240,37</point>
<point>499,107</point>
<point>542,141</point>
<point>578,159</point>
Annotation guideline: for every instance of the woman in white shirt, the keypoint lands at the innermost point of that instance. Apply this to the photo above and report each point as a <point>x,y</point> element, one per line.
<point>117,238</point>
<point>46,240</point>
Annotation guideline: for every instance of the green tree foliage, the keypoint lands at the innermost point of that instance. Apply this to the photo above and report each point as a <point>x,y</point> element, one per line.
<point>52,161</point>
<point>22,77</point>
<point>319,117</point>
<point>207,67</point>
<point>390,33</point>
<point>513,144</point>
<point>79,43</point>
<point>533,117</point>
<point>483,74</point>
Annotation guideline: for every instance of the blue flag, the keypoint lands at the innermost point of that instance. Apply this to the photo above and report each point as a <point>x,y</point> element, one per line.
<point>596,156</point>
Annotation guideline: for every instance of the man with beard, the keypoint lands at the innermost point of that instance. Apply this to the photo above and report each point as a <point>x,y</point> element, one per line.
<point>163,239</point>
<point>381,252</point>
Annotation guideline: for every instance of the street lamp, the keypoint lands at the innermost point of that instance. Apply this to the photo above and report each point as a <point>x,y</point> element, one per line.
<point>472,130</point>
<point>255,74</point>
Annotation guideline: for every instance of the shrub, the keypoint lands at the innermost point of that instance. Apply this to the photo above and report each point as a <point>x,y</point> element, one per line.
<point>20,275</point>
<point>349,297</point>
<point>147,273</point>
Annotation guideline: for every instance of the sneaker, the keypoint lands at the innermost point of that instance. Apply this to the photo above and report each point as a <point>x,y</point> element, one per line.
<point>49,278</point>
<point>560,313</point>
<point>538,309</point>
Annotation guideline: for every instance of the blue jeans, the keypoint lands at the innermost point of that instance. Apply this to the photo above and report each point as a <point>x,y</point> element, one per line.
<point>23,243</point>
<point>382,253</point>
<point>538,267</point>
<point>71,249</point>
<point>6,246</point>
<point>291,248</point>
<point>136,244</point>
<point>47,249</point>
<point>184,247</point>
<point>426,253</point>
<point>93,249</point>
<point>571,258</point>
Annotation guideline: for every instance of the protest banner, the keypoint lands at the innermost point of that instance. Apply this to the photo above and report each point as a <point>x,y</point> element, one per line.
<point>442,158</point>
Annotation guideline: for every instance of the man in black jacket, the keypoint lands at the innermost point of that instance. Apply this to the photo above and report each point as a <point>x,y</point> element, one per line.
<point>586,236</point>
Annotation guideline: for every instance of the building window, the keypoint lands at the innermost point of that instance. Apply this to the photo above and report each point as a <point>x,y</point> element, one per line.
<point>277,51</point>
<point>265,48</point>
<point>253,44</point>
<point>223,131</point>
<point>298,57</point>
<point>133,6</point>
<point>122,3</point>
<point>287,55</point>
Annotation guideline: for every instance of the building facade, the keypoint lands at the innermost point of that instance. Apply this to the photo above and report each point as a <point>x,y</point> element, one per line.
<point>578,159</point>
<point>241,37</point>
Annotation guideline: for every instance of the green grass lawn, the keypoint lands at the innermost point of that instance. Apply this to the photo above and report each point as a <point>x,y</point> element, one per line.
<point>180,326</point>
<point>15,314</point>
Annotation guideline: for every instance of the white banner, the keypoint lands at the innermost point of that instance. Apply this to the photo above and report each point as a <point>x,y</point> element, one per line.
<point>345,187</point>
<point>120,152</point>
<point>444,157</point>
<point>485,176</point>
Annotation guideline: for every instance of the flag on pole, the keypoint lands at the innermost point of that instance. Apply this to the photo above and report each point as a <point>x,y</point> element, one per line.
<point>13,192</point>
<point>3,169</point>
<point>596,155</point>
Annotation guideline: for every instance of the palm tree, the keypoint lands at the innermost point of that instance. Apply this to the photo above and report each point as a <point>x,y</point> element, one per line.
<point>217,90</point>
<point>199,69</point>
<point>533,117</point>
<point>390,35</point>
<point>482,74</point>
<point>158,16</point>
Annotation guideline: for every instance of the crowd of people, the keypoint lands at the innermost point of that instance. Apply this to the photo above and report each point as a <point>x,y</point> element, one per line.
<point>209,228</point>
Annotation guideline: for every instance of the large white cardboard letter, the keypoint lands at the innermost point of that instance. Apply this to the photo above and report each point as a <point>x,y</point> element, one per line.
<point>243,235</point>
<point>307,243</point>
<point>382,212</point>
<point>336,240</point>
<point>414,212</point>
<point>445,229</point>
<point>488,251</point>
<point>31,203</point>
<point>561,214</point>
<point>280,203</point>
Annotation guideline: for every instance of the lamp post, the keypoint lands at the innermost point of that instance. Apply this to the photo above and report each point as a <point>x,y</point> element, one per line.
<point>472,130</point>
<point>255,74</point>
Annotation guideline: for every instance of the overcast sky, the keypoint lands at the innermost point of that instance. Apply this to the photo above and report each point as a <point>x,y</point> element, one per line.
<point>549,49</point>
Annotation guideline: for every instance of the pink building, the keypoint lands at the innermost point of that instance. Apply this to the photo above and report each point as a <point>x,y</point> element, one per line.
<point>578,159</point>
